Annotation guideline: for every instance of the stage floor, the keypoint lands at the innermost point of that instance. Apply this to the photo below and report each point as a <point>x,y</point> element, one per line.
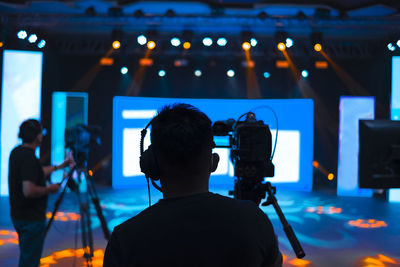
<point>334,231</point>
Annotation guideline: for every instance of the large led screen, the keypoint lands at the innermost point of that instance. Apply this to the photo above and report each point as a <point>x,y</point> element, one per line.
<point>294,151</point>
<point>20,100</point>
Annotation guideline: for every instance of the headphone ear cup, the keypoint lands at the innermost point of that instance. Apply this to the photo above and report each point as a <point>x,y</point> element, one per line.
<point>214,162</point>
<point>148,164</point>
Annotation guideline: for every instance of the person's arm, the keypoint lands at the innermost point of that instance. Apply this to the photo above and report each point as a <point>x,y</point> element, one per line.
<point>49,169</point>
<point>31,190</point>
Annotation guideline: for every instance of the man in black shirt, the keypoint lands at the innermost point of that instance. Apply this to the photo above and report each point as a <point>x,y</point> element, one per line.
<point>191,226</point>
<point>28,193</point>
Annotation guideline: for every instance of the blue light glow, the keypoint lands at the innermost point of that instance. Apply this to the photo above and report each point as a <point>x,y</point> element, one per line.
<point>161,73</point>
<point>295,140</point>
<point>267,75</point>
<point>207,41</point>
<point>22,34</point>
<point>222,41</point>
<point>394,194</point>
<point>124,70</point>
<point>253,42</point>
<point>41,44</point>
<point>175,41</point>
<point>20,100</point>
<point>351,110</point>
<point>32,38</point>
<point>289,42</point>
<point>391,47</point>
<point>304,73</point>
<point>230,73</point>
<point>141,39</point>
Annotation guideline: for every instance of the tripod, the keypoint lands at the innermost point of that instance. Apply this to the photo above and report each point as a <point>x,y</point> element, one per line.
<point>253,189</point>
<point>84,209</point>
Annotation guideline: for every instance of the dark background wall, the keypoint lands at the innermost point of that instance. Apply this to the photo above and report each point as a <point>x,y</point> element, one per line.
<point>63,71</point>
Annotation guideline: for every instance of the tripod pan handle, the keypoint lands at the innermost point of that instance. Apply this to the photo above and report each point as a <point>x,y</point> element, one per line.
<point>294,241</point>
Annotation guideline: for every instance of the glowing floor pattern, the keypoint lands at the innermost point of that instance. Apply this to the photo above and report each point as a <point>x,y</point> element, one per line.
<point>334,231</point>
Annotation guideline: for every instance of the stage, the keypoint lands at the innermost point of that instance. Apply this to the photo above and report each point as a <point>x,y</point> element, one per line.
<point>334,231</point>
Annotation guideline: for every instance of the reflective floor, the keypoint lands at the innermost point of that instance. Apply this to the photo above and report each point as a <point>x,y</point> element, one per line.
<point>334,231</point>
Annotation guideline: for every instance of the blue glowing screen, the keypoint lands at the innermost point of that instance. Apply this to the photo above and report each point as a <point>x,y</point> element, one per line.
<point>294,152</point>
<point>20,100</point>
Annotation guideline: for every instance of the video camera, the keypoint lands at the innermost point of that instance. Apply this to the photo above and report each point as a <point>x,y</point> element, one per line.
<point>79,139</point>
<point>250,143</point>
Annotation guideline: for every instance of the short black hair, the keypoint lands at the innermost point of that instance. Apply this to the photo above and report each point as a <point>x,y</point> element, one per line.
<point>29,130</point>
<point>180,133</point>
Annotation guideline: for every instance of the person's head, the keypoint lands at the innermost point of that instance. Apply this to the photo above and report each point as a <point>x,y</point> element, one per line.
<point>182,140</point>
<point>30,131</point>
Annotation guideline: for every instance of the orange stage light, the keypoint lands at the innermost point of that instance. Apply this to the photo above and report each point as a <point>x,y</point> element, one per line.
<point>321,64</point>
<point>317,47</point>
<point>90,172</point>
<point>331,176</point>
<point>246,46</point>
<point>146,62</point>
<point>186,45</point>
<point>315,164</point>
<point>1,44</point>
<point>106,61</point>
<point>282,64</point>
<point>281,46</point>
<point>116,44</point>
<point>151,45</point>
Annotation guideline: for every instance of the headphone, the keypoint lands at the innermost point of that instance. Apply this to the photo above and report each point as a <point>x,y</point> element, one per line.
<point>149,165</point>
<point>148,161</point>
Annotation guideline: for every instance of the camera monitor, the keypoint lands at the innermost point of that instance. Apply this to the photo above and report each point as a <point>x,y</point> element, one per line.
<point>379,156</point>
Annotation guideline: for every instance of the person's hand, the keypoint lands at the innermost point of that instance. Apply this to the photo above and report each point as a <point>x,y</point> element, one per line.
<point>53,188</point>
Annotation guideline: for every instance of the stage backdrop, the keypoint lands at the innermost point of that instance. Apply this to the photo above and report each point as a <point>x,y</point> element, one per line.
<point>293,156</point>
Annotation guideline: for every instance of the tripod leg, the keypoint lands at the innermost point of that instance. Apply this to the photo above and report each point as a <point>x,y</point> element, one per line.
<point>56,206</point>
<point>96,203</point>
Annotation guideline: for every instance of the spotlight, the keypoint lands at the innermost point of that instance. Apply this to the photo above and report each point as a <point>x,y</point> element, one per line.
<point>141,39</point>
<point>289,42</point>
<point>304,73</point>
<point>253,42</point>
<point>246,46</point>
<point>116,44</point>
<point>267,75</point>
<point>186,45</point>
<point>398,43</point>
<point>161,73</point>
<point>207,41</point>
<point>230,73</point>
<point>124,70</point>
<point>281,46</point>
<point>32,38</point>
<point>41,44</point>
<point>331,176</point>
<point>22,34</point>
<point>197,73</point>
<point>175,41</point>
<point>151,45</point>
<point>317,47</point>
<point>222,41</point>
<point>391,47</point>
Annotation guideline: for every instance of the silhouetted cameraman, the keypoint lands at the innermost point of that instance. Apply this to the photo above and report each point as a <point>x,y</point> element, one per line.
<point>28,193</point>
<point>191,226</point>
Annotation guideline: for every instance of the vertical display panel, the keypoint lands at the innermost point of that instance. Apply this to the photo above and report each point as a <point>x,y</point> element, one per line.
<point>394,194</point>
<point>351,110</point>
<point>68,110</point>
<point>21,97</point>
<point>293,156</point>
